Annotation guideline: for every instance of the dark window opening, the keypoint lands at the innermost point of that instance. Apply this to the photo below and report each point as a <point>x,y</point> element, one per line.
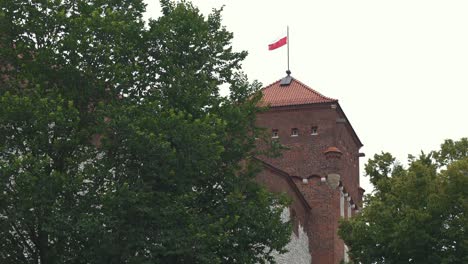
<point>314,130</point>
<point>294,132</point>
<point>275,133</point>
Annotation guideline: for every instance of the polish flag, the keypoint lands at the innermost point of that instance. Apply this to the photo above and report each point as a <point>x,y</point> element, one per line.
<point>279,43</point>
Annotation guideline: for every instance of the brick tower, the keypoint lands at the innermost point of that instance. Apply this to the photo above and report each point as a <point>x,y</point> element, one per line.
<point>319,170</point>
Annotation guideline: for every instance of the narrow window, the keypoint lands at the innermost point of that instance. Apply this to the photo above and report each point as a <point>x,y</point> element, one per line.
<point>275,133</point>
<point>314,130</point>
<point>294,132</point>
<point>349,210</point>
<point>342,204</point>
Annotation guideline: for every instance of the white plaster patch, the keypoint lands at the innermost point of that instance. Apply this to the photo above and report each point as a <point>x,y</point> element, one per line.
<point>298,247</point>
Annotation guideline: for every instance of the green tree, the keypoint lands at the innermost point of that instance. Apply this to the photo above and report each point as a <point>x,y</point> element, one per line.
<point>115,144</point>
<point>415,214</point>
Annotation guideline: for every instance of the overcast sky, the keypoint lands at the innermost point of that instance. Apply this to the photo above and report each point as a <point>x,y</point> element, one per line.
<point>399,68</point>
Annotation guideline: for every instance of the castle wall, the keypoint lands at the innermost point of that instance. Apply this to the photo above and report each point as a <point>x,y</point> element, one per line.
<point>305,154</point>
<point>277,183</point>
<point>350,160</point>
<point>307,166</point>
<point>325,246</point>
<point>298,247</point>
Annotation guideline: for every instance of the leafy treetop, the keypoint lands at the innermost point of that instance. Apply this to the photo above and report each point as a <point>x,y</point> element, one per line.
<point>416,214</point>
<point>115,144</point>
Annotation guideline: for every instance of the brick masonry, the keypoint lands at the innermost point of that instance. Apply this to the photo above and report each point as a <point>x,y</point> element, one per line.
<point>304,168</point>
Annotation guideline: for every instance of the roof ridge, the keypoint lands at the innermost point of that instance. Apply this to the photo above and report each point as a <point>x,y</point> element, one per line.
<point>310,89</point>
<point>271,84</point>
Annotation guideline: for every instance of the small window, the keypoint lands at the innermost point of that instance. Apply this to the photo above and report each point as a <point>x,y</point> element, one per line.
<point>294,132</point>
<point>314,130</point>
<point>274,133</point>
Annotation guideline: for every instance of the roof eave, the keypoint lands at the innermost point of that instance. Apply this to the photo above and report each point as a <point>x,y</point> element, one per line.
<point>304,104</point>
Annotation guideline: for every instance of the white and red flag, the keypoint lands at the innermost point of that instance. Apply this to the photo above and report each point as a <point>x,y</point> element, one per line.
<point>278,43</point>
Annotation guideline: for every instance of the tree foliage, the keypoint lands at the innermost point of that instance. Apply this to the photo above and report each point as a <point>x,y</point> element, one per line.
<point>115,144</point>
<point>415,214</point>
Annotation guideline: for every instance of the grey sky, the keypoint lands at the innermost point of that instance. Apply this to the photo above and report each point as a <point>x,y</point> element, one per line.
<point>399,68</point>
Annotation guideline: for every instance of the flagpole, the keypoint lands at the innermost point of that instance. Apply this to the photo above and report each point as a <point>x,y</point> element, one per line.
<point>287,35</point>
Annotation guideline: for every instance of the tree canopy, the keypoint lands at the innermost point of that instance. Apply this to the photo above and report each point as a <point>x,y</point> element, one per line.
<point>115,144</point>
<point>416,214</point>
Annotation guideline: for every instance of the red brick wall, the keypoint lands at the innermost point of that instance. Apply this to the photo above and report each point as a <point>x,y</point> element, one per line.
<point>305,159</point>
<point>350,160</point>
<point>325,209</point>
<point>275,182</point>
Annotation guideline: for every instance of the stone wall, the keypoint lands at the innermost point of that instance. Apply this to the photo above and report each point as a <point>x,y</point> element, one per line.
<point>298,247</point>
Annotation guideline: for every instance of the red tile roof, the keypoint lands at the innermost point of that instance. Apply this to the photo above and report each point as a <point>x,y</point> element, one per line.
<point>296,93</point>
